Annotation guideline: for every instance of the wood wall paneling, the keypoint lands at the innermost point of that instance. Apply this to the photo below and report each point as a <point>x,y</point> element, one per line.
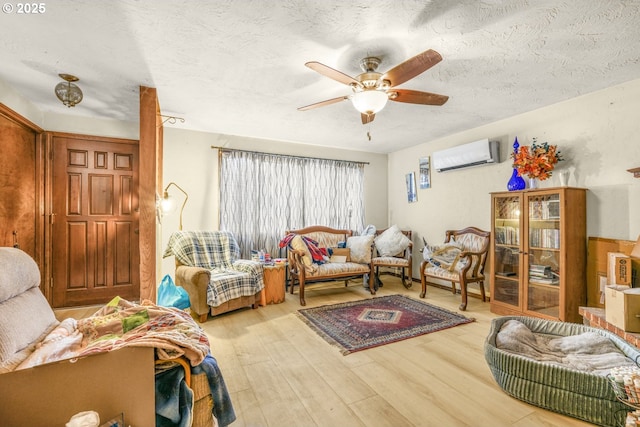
<point>22,186</point>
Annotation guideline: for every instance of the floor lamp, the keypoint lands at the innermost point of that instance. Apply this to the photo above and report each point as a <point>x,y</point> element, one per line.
<point>168,202</point>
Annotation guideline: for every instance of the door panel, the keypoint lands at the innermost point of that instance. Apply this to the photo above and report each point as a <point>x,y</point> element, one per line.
<point>95,240</point>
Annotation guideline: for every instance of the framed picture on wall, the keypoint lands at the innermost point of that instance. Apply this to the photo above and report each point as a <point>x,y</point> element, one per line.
<point>425,172</point>
<point>412,194</point>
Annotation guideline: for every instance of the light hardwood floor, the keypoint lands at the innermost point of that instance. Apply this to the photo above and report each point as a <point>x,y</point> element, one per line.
<point>281,373</point>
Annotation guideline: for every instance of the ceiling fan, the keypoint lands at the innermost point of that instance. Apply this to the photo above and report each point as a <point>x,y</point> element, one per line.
<point>372,90</point>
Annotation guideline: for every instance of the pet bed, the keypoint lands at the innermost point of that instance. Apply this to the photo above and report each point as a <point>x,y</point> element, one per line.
<point>551,384</point>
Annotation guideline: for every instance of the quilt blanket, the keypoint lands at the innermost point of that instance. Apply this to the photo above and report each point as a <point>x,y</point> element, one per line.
<point>172,332</point>
<point>121,323</point>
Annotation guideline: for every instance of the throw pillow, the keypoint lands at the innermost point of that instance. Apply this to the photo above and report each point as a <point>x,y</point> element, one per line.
<point>360,248</point>
<point>391,242</point>
<point>298,244</point>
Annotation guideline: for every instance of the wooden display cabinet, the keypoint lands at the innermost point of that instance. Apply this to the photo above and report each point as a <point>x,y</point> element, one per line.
<point>538,247</point>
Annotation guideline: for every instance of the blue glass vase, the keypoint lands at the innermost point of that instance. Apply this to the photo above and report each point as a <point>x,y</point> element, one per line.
<point>516,182</point>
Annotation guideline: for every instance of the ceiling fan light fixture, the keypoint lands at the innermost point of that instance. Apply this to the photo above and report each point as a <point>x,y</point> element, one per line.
<point>68,92</point>
<point>369,101</point>
<point>371,90</point>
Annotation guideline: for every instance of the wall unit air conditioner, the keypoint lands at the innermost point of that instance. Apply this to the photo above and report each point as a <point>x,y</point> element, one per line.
<point>477,153</point>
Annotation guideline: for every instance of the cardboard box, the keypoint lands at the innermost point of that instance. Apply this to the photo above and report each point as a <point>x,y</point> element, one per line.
<point>597,260</point>
<point>117,382</point>
<point>619,269</point>
<point>343,253</point>
<point>622,307</point>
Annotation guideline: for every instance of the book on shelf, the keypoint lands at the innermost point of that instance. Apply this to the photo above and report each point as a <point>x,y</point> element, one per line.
<point>539,273</point>
<point>507,235</point>
<point>542,209</point>
<point>544,238</point>
<point>539,270</point>
<point>543,274</point>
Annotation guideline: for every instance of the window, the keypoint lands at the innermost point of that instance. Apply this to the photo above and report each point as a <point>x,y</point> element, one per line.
<point>263,195</point>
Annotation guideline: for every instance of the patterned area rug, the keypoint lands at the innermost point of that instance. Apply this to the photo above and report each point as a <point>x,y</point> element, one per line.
<point>359,325</point>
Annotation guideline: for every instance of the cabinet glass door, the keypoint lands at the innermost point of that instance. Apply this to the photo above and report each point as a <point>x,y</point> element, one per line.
<point>506,256</point>
<point>543,249</point>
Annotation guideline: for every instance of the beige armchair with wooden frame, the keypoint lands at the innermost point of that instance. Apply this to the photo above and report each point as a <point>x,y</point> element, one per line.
<point>402,260</point>
<point>467,265</point>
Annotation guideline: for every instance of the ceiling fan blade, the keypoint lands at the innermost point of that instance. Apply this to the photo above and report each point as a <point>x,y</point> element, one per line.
<point>411,67</point>
<point>367,118</point>
<point>416,97</point>
<point>332,74</point>
<point>323,103</point>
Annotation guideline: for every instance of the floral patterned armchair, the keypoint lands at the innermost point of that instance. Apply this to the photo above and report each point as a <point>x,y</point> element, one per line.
<point>460,260</point>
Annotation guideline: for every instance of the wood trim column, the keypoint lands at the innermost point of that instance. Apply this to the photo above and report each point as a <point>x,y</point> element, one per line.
<point>150,184</point>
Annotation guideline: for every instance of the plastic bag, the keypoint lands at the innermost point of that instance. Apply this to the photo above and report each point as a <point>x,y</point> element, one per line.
<point>170,295</point>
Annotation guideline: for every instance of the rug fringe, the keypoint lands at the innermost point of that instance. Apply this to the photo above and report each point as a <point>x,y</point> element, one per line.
<point>324,335</point>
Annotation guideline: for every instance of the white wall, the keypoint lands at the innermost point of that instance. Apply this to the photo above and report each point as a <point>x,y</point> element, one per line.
<point>599,136</point>
<point>19,104</point>
<point>190,162</point>
<point>58,122</point>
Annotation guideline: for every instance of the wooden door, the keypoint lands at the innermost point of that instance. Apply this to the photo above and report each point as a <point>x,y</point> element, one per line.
<point>95,228</point>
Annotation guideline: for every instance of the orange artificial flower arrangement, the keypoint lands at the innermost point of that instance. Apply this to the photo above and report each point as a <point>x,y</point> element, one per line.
<point>536,161</point>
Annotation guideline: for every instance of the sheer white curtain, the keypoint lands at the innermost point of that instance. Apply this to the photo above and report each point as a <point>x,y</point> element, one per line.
<point>263,195</point>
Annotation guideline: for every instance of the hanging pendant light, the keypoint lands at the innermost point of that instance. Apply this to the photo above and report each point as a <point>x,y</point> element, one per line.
<point>67,92</point>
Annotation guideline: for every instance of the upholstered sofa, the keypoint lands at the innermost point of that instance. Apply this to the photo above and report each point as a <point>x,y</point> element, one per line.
<point>209,268</point>
<point>338,255</point>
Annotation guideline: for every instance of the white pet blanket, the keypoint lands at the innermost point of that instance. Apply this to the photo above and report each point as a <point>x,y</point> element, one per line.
<point>587,352</point>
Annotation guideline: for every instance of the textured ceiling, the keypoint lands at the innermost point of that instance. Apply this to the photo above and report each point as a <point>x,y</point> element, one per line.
<point>237,67</point>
